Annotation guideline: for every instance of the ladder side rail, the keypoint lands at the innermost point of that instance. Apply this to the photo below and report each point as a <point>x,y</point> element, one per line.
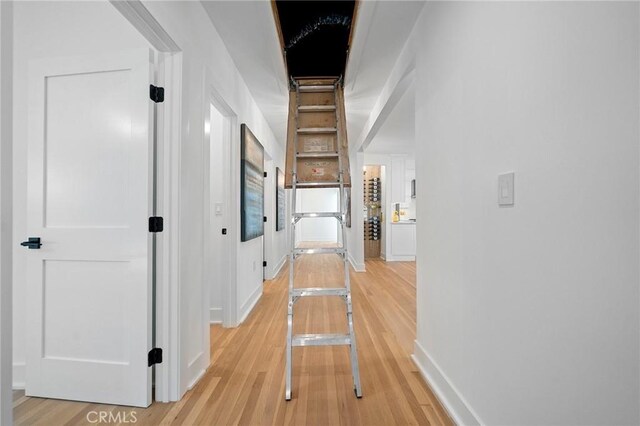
<point>355,368</point>
<point>292,256</point>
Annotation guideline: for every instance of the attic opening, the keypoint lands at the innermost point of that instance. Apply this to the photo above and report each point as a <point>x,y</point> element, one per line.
<point>315,36</point>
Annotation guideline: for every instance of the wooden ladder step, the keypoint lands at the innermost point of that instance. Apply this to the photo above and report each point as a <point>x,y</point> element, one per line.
<point>316,108</point>
<point>317,154</point>
<point>317,130</point>
<point>317,88</point>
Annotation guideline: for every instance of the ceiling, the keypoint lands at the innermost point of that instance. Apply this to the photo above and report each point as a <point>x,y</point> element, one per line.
<point>249,31</point>
<point>397,133</point>
<point>315,36</point>
<point>381,30</point>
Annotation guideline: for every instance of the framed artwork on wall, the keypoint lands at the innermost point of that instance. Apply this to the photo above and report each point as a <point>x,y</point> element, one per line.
<point>251,186</point>
<point>281,200</point>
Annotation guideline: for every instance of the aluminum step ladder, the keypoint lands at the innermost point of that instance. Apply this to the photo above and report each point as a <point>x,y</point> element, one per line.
<point>344,293</point>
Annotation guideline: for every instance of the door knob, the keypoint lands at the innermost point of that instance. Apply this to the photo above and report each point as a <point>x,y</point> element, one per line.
<point>33,243</point>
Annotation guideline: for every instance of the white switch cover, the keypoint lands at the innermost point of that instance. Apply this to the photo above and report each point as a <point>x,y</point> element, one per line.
<point>505,189</point>
<point>218,207</point>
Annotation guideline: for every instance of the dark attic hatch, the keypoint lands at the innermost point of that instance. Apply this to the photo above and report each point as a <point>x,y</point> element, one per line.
<point>315,36</point>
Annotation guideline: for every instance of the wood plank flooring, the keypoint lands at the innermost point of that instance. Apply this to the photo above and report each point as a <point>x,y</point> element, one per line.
<point>245,383</point>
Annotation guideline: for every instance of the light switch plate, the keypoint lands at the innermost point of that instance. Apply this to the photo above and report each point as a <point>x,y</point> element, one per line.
<point>505,189</point>
<point>218,207</point>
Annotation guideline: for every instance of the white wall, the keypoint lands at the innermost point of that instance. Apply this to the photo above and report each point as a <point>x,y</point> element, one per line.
<point>6,116</point>
<point>529,314</point>
<point>218,220</point>
<point>319,229</point>
<point>355,234</point>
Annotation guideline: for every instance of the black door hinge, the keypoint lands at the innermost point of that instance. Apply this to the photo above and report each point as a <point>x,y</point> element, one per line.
<point>156,93</point>
<point>264,218</point>
<point>264,263</point>
<point>155,356</point>
<point>156,224</point>
<point>265,174</point>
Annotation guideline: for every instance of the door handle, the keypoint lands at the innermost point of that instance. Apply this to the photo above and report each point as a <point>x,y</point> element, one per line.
<point>33,243</point>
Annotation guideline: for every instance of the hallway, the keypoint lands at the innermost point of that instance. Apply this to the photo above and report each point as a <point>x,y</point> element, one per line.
<point>245,384</point>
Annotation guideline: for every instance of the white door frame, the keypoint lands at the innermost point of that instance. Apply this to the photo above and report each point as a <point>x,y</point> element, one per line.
<point>6,167</point>
<point>230,157</point>
<point>168,147</point>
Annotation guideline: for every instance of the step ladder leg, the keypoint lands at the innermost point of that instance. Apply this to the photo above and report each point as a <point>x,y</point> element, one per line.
<point>289,367</point>
<point>355,369</point>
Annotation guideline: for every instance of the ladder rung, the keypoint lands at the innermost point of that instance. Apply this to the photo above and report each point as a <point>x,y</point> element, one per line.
<point>321,339</point>
<point>321,291</point>
<point>317,130</point>
<point>320,250</point>
<point>316,154</point>
<point>321,214</point>
<point>317,88</point>
<point>316,108</point>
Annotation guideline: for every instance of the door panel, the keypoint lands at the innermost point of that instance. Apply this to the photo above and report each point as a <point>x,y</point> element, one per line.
<point>90,194</point>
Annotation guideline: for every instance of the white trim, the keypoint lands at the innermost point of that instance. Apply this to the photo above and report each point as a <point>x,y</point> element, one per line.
<point>196,379</point>
<point>19,374</point>
<point>169,69</point>
<point>358,267</point>
<point>452,400</point>
<point>136,13</point>
<point>275,271</point>
<point>400,258</point>
<point>6,214</point>
<point>250,303</point>
<point>215,316</point>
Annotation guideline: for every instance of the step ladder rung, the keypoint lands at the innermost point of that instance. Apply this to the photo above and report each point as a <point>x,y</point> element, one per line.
<point>317,130</point>
<point>322,154</point>
<point>321,339</point>
<point>319,214</point>
<point>320,250</point>
<point>316,108</point>
<point>317,88</point>
<point>320,291</point>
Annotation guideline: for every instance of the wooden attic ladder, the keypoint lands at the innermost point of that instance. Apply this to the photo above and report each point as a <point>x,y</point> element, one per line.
<point>318,157</point>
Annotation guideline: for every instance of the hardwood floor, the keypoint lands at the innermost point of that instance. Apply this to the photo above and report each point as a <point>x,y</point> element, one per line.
<point>245,383</point>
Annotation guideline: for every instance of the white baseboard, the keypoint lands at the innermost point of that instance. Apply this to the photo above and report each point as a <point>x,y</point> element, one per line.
<point>459,410</point>
<point>359,267</point>
<point>275,271</point>
<point>249,304</point>
<point>400,258</point>
<point>215,316</point>
<point>19,375</point>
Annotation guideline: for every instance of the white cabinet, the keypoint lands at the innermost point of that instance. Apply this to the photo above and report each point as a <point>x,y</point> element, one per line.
<point>403,241</point>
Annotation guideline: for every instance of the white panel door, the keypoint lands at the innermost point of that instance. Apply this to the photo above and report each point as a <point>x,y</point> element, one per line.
<point>90,197</point>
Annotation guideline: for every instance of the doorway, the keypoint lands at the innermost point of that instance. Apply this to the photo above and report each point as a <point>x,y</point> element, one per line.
<point>269,215</point>
<point>220,226</point>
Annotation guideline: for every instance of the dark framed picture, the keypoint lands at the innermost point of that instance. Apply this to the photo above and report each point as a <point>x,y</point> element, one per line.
<point>281,200</point>
<point>251,186</point>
